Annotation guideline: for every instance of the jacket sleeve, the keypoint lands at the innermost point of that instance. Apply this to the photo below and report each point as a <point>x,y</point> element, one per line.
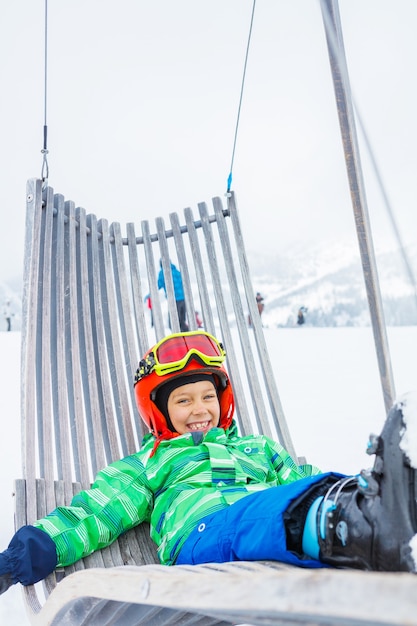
<point>119,499</point>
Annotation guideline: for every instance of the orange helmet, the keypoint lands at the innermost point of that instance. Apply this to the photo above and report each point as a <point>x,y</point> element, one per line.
<point>175,356</point>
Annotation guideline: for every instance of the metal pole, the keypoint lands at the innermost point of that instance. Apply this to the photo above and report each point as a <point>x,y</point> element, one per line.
<point>333,29</point>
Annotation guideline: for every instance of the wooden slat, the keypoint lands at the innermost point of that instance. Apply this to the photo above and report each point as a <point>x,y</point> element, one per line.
<point>102,373</point>
<point>257,594</point>
<point>128,356</point>
<point>74,378</point>
<point>29,334</point>
<point>137,290</point>
<point>63,452</point>
<point>166,267</point>
<point>183,267</point>
<point>202,283</point>
<point>45,346</point>
<point>115,362</point>
<point>152,273</point>
<point>88,339</point>
<point>127,350</point>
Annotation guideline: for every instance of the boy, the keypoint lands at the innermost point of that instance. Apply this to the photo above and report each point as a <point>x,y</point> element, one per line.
<point>213,496</point>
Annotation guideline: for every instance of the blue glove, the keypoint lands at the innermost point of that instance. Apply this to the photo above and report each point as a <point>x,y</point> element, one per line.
<point>30,557</point>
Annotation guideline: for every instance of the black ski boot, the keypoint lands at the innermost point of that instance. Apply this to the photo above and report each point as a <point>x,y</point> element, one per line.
<point>370,521</point>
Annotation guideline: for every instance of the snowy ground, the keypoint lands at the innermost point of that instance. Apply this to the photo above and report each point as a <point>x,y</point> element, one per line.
<point>329,386</point>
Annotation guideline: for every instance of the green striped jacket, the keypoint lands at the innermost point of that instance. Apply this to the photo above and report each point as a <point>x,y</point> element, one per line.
<point>187,478</point>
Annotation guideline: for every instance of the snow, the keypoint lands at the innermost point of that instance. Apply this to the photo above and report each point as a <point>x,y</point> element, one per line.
<point>408,403</point>
<point>330,391</point>
<point>413,546</point>
<point>12,610</point>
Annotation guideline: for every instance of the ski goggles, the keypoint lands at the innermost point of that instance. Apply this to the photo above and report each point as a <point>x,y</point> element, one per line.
<point>172,353</point>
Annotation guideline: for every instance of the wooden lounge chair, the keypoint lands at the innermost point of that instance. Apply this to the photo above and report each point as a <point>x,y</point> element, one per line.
<point>85,327</point>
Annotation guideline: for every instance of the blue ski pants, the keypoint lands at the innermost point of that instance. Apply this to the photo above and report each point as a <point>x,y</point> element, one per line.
<point>251,529</point>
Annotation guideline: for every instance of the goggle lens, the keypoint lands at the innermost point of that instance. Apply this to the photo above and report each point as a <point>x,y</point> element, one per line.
<point>176,348</point>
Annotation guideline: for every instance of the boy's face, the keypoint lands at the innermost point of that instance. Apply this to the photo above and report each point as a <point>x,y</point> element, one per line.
<point>194,407</point>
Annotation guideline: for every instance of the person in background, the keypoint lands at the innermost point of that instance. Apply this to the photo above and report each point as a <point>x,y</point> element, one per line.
<point>148,302</point>
<point>260,302</point>
<point>212,495</point>
<point>178,292</point>
<point>198,320</point>
<point>7,314</point>
<point>300,315</point>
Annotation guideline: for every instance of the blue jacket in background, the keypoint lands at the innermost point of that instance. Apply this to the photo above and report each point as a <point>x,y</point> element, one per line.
<point>177,281</point>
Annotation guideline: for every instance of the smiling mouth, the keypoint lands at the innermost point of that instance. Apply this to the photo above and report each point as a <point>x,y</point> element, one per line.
<point>199,425</point>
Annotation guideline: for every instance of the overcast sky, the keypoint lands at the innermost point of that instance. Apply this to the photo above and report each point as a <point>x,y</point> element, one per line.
<point>142,103</point>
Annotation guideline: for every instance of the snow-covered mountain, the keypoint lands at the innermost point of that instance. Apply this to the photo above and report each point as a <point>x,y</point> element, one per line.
<point>329,282</point>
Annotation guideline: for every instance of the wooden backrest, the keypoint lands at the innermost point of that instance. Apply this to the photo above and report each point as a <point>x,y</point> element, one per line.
<point>86,325</point>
